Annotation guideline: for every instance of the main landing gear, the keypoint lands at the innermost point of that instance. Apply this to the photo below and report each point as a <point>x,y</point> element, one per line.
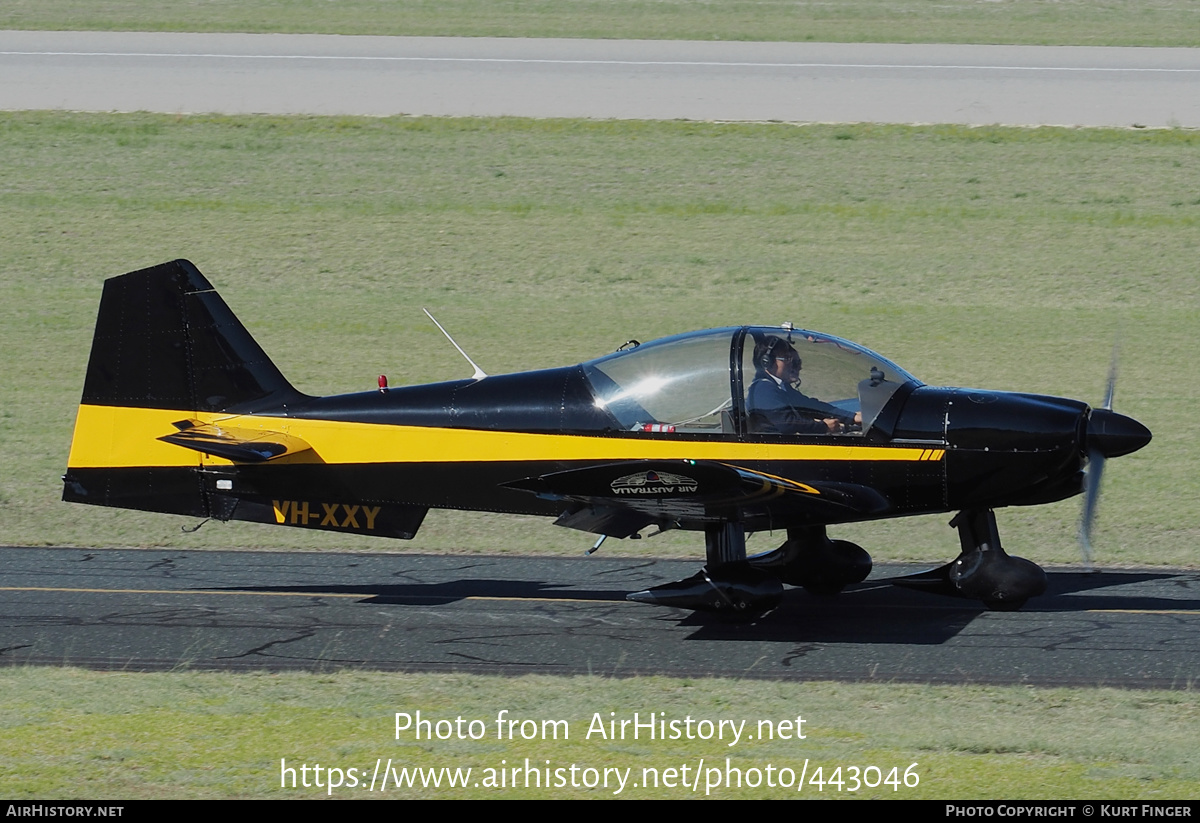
<point>732,583</point>
<point>983,570</point>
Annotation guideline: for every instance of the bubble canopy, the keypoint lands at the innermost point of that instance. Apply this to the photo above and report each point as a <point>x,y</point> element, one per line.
<point>701,381</point>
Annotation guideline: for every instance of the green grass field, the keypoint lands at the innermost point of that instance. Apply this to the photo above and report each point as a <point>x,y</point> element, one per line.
<point>218,735</point>
<point>1050,22</point>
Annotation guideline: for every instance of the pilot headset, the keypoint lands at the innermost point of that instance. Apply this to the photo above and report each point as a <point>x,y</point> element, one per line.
<point>764,353</point>
<point>771,348</point>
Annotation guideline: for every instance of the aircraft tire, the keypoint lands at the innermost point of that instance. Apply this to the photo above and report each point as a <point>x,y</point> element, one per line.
<point>854,565</point>
<point>1005,605</point>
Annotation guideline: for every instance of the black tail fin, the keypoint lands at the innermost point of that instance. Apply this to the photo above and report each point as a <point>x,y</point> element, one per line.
<point>166,340</point>
<point>166,348</point>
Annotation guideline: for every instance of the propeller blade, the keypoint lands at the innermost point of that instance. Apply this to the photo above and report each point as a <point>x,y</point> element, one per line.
<point>1091,495</point>
<point>1095,466</point>
<point>1111,388</point>
<point>1108,435</point>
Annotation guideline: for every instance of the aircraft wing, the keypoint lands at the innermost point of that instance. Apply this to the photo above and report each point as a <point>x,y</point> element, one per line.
<point>619,499</point>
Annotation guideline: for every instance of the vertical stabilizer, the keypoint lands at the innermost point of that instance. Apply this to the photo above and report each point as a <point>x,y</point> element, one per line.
<point>166,349</point>
<point>166,340</point>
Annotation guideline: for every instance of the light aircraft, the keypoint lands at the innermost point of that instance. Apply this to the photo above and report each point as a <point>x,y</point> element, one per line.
<point>183,412</point>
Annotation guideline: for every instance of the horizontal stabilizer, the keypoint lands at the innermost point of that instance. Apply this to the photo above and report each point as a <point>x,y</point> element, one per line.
<point>238,445</point>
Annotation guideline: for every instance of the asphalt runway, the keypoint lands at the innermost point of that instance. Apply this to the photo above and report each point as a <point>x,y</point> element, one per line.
<point>794,82</point>
<point>165,609</point>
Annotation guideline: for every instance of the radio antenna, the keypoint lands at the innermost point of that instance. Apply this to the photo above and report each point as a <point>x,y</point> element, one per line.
<point>479,373</point>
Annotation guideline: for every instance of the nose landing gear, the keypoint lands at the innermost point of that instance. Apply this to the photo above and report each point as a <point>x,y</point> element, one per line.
<point>983,570</point>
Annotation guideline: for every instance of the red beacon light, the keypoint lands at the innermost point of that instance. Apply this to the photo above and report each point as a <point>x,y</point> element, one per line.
<point>383,386</point>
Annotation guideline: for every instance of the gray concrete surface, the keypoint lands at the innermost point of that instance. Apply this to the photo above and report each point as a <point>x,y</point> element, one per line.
<point>803,82</point>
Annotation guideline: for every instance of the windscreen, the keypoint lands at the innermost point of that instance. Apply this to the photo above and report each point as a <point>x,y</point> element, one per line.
<point>679,383</point>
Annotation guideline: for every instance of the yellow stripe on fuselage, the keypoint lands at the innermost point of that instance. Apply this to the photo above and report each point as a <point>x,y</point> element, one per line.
<point>114,436</point>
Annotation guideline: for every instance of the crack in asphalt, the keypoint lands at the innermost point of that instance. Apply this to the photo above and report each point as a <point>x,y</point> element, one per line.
<point>167,564</point>
<point>797,653</point>
<point>258,650</point>
<point>492,662</point>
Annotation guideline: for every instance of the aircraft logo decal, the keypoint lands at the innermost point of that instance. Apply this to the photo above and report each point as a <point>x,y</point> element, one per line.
<point>653,482</point>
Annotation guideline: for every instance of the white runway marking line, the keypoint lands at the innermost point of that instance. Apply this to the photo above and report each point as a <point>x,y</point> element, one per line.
<point>556,61</point>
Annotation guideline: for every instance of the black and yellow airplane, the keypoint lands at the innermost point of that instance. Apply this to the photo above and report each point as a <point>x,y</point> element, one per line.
<point>183,412</point>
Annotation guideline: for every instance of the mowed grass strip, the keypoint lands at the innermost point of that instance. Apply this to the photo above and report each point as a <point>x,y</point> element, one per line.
<point>76,734</point>
<point>1041,22</point>
<point>998,257</point>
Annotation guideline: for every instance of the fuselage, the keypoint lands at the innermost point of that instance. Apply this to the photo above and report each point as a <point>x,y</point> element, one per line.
<point>202,423</point>
<point>456,445</point>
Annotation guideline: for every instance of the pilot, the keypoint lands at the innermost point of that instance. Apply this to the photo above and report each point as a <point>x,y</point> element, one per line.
<point>775,405</point>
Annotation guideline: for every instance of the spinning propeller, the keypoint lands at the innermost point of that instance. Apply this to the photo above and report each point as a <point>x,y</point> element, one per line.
<point>1108,435</point>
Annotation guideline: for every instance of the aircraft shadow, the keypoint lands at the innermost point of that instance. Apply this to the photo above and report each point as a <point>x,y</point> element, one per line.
<point>1078,591</point>
<point>873,612</point>
<point>453,591</point>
